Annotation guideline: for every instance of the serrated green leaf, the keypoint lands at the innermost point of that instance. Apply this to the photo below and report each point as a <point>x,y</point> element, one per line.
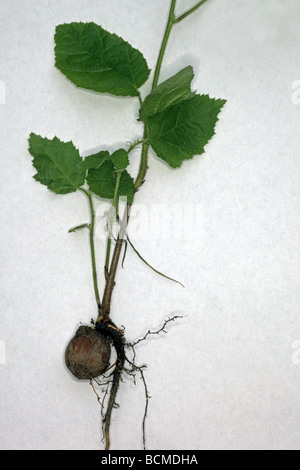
<point>56,163</point>
<point>120,159</point>
<point>95,59</point>
<point>175,89</point>
<point>102,182</point>
<point>94,161</point>
<point>183,130</point>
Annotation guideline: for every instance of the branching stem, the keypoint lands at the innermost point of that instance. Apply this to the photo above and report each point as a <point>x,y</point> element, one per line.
<point>104,310</point>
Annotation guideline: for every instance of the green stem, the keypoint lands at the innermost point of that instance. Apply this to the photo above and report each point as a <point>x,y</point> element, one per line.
<point>189,12</point>
<point>115,199</point>
<point>144,161</point>
<point>107,257</point>
<point>92,245</point>
<point>170,23</point>
<point>110,280</point>
<point>115,207</point>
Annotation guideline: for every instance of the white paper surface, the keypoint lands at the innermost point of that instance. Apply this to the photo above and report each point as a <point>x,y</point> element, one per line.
<point>227,376</point>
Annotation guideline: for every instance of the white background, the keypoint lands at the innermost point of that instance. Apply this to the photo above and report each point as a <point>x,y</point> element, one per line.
<point>227,376</point>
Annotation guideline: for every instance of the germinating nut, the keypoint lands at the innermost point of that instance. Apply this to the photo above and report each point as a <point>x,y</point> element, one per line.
<point>87,354</point>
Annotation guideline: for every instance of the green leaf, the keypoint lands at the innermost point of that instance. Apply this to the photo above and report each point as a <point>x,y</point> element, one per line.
<point>94,161</point>
<point>56,163</point>
<point>79,227</point>
<point>120,159</point>
<point>102,182</point>
<point>95,59</point>
<point>182,131</point>
<point>168,93</point>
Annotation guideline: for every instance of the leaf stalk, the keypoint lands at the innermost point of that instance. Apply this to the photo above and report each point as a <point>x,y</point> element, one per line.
<point>189,12</point>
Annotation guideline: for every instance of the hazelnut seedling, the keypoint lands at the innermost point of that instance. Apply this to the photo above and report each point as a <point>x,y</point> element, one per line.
<point>177,124</point>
